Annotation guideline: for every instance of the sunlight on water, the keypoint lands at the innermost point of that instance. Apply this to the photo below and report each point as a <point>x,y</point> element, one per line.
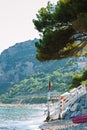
<point>17,118</point>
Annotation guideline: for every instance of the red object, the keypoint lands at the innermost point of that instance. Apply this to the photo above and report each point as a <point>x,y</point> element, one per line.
<point>80,119</point>
<point>63,98</point>
<point>49,86</point>
<point>86,89</point>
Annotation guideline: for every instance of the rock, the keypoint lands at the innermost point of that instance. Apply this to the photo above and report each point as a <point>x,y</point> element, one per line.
<point>82,102</point>
<point>74,107</point>
<point>84,111</point>
<point>76,113</point>
<point>86,101</point>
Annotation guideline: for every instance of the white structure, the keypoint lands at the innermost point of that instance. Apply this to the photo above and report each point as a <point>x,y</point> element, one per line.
<point>64,101</point>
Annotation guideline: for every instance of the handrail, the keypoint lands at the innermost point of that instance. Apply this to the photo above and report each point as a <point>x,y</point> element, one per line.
<point>66,100</point>
<point>71,97</point>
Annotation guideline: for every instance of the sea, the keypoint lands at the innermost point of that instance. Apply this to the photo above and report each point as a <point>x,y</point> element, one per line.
<point>21,117</point>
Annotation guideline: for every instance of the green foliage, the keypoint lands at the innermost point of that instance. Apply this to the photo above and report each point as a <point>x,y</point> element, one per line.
<point>36,100</point>
<point>84,76</point>
<point>45,18</point>
<point>76,81</point>
<point>84,82</point>
<point>48,49</point>
<point>34,89</point>
<point>79,79</point>
<point>58,34</point>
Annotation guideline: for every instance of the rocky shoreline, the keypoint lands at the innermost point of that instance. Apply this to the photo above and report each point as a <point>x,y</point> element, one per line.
<point>77,109</point>
<point>63,125</point>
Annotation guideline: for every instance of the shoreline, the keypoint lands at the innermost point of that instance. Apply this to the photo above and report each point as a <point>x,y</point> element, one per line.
<point>24,105</point>
<point>62,125</point>
<point>51,125</point>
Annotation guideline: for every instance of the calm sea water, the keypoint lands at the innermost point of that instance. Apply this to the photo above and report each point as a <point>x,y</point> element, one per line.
<point>21,118</point>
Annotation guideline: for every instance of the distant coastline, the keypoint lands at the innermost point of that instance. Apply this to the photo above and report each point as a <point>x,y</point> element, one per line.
<point>24,105</point>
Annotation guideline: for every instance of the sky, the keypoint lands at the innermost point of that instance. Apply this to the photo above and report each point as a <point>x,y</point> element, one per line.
<point>16,21</point>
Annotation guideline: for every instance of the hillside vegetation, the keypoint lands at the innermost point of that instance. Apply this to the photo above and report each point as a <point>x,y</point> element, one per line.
<point>34,88</point>
<point>79,79</point>
<point>23,79</point>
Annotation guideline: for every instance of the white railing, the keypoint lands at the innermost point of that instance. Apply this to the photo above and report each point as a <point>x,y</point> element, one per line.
<point>53,108</point>
<point>64,101</point>
<point>69,98</point>
<point>55,112</point>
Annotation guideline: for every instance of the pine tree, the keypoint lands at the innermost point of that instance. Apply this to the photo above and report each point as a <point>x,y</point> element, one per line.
<point>63,30</point>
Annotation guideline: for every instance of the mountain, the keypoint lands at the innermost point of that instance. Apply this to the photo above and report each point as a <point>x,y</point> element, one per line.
<point>22,74</point>
<point>18,62</point>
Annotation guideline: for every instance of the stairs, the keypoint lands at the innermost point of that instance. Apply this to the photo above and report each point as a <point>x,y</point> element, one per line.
<point>65,102</point>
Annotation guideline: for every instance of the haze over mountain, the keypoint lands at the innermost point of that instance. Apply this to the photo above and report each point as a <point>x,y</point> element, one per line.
<point>18,63</point>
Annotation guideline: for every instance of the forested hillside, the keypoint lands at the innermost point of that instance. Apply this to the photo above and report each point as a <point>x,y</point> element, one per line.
<point>22,75</point>
<point>18,62</point>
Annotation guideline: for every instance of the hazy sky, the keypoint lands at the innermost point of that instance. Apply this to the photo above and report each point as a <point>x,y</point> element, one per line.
<point>16,20</point>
